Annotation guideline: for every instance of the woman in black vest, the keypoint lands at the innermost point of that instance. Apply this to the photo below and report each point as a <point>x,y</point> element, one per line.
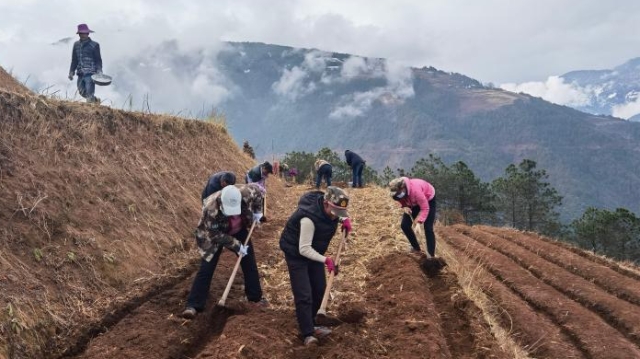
<point>304,240</point>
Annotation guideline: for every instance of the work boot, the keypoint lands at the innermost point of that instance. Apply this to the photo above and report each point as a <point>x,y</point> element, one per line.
<point>189,313</point>
<point>417,253</point>
<point>321,332</point>
<point>310,340</point>
<point>262,303</point>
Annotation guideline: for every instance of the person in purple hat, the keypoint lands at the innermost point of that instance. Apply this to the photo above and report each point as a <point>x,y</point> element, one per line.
<point>85,61</point>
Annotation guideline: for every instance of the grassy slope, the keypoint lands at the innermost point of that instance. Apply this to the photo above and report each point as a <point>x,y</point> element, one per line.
<point>96,205</point>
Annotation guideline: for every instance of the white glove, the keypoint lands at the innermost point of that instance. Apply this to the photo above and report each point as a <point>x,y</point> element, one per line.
<point>257,216</point>
<point>243,250</point>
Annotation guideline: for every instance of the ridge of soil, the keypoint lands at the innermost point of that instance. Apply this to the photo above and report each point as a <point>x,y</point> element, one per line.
<point>384,305</point>
<point>598,324</point>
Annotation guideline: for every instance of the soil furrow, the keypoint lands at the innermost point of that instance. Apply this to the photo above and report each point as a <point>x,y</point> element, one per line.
<point>595,336</point>
<point>123,310</point>
<point>614,282</point>
<point>533,330</point>
<point>466,332</point>
<point>631,273</point>
<point>621,314</point>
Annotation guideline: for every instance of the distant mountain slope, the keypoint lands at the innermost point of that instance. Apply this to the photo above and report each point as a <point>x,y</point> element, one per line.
<point>293,99</point>
<point>610,92</point>
<point>283,99</point>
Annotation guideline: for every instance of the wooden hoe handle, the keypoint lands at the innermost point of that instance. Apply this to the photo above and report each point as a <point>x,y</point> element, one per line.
<point>327,291</point>
<point>235,269</point>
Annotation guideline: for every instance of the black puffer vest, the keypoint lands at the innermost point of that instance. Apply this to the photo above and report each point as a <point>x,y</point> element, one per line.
<point>310,206</point>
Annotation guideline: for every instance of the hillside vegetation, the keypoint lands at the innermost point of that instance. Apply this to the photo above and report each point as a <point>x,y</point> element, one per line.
<point>97,207</point>
<point>394,118</point>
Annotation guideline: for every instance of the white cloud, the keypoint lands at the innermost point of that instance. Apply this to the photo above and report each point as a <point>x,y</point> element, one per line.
<point>298,82</point>
<point>553,90</point>
<point>356,66</point>
<point>291,83</point>
<point>316,61</point>
<point>399,87</point>
<point>494,40</point>
<point>629,108</point>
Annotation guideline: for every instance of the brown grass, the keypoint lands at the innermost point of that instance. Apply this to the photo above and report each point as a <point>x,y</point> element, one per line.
<point>96,205</point>
<point>8,83</point>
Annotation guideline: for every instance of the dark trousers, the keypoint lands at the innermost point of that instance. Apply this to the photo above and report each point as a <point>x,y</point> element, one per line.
<point>202,282</point>
<point>357,174</point>
<point>407,221</point>
<point>325,171</point>
<point>86,87</point>
<point>308,283</point>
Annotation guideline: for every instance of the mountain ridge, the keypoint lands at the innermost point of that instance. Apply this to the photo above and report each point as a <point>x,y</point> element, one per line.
<point>282,99</point>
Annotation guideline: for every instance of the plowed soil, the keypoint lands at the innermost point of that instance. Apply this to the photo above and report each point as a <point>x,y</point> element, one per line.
<point>552,301</point>
<point>383,304</point>
<point>558,304</point>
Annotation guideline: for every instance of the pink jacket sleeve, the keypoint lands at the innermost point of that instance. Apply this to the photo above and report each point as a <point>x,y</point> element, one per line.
<point>420,192</point>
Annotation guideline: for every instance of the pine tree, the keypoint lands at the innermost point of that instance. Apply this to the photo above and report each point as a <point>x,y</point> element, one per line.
<point>246,148</point>
<point>525,198</point>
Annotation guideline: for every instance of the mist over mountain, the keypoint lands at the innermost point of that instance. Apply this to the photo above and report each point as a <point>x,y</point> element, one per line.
<point>283,99</point>
<point>611,92</point>
<point>614,92</point>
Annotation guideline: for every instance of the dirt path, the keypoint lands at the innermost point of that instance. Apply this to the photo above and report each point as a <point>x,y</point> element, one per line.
<point>383,304</point>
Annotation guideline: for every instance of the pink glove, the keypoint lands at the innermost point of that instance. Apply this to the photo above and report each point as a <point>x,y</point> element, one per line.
<point>346,225</point>
<point>331,267</point>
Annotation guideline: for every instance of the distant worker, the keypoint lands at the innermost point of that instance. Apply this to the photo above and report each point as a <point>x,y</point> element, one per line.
<point>357,166</point>
<point>276,168</point>
<point>217,182</point>
<point>284,170</point>
<point>304,240</point>
<point>417,197</point>
<point>85,61</point>
<point>323,170</point>
<point>227,216</point>
<point>259,174</point>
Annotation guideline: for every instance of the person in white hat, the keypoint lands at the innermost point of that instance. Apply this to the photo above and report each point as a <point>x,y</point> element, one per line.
<point>227,216</point>
<point>85,62</point>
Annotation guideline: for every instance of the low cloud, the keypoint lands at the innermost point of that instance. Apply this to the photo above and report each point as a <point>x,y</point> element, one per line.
<point>356,66</point>
<point>553,90</point>
<point>399,87</point>
<point>298,81</point>
<point>629,108</point>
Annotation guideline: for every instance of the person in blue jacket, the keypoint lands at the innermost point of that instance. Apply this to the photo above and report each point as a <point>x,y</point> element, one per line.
<point>259,174</point>
<point>218,181</point>
<point>85,61</point>
<point>357,166</point>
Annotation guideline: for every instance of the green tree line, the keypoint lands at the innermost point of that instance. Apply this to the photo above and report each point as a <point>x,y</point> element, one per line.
<point>521,198</point>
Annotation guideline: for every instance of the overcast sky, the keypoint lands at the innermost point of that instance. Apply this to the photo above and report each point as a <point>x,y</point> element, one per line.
<point>498,41</point>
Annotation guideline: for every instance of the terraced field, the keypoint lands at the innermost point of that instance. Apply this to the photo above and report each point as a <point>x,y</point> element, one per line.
<point>557,303</point>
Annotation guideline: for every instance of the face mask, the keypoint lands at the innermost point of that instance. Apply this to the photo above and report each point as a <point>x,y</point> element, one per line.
<point>399,196</point>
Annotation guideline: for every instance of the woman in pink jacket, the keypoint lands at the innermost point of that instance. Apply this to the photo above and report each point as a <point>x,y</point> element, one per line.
<point>418,199</point>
